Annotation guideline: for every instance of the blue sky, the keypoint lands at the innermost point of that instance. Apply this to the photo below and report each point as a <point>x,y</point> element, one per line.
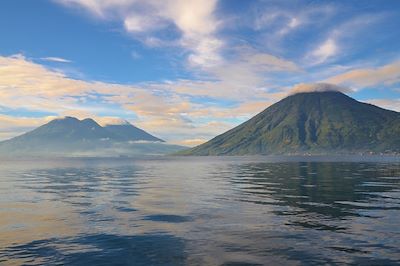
<point>187,70</point>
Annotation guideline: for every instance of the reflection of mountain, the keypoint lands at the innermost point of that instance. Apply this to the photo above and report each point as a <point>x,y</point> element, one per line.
<point>331,190</point>
<point>316,122</point>
<point>174,211</point>
<point>70,136</point>
<point>146,249</point>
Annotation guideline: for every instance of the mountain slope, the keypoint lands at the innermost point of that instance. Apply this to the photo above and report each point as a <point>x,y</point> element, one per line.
<point>314,122</point>
<point>128,132</point>
<point>70,136</point>
<point>68,128</point>
<point>66,134</point>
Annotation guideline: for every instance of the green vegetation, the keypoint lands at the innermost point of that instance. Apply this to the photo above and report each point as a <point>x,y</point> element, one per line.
<point>315,123</point>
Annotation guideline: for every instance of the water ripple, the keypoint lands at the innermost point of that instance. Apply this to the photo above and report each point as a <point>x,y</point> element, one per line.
<point>199,211</point>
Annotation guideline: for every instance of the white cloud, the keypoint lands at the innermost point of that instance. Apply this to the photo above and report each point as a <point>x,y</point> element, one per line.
<point>276,22</point>
<point>343,38</point>
<point>135,55</point>
<point>294,22</point>
<point>390,104</point>
<point>56,59</point>
<point>169,110</point>
<point>317,87</point>
<point>241,75</point>
<point>109,120</point>
<point>192,142</point>
<point>366,77</point>
<point>194,19</point>
<point>325,51</point>
<point>11,126</point>
<point>270,15</point>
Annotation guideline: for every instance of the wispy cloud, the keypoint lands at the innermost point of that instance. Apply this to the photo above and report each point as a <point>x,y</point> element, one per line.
<point>324,51</point>
<point>390,104</point>
<point>234,72</point>
<point>56,59</point>
<point>341,39</point>
<point>277,22</point>
<point>193,19</point>
<point>366,77</point>
<point>11,126</point>
<point>318,87</point>
<point>168,109</point>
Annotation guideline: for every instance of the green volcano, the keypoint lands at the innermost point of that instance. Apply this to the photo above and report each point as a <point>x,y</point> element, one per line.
<point>312,122</point>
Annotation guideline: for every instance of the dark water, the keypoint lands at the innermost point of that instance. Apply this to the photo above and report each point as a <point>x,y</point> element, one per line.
<point>200,211</point>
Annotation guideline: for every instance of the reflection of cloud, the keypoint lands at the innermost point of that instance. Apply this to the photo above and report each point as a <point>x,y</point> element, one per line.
<point>51,218</point>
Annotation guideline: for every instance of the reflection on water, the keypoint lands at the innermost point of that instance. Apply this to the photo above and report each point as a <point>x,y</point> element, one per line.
<point>197,211</point>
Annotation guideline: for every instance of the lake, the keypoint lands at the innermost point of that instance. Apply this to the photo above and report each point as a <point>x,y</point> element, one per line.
<point>200,211</point>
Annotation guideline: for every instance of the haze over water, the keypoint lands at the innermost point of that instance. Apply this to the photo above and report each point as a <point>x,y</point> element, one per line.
<point>200,211</point>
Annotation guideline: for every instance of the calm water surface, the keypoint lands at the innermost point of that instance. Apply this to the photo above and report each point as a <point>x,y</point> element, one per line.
<point>200,211</point>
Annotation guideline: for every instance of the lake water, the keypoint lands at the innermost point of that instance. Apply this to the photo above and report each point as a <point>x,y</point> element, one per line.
<point>200,211</point>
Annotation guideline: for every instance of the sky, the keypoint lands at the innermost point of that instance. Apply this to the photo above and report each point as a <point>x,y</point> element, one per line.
<point>188,70</point>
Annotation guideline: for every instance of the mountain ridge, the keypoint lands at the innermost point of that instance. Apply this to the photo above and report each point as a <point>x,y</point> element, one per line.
<point>126,131</point>
<point>310,122</point>
<point>70,135</point>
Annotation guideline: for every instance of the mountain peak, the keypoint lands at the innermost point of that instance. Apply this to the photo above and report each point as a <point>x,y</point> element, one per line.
<point>310,96</point>
<point>316,122</point>
<point>115,122</point>
<point>90,122</point>
<point>319,94</point>
<point>116,129</point>
<point>66,118</point>
<point>318,87</point>
<point>74,119</point>
<point>69,134</point>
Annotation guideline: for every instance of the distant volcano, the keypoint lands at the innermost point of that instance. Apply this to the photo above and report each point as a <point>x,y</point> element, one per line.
<point>125,131</point>
<point>310,122</point>
<point>70,135</point>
